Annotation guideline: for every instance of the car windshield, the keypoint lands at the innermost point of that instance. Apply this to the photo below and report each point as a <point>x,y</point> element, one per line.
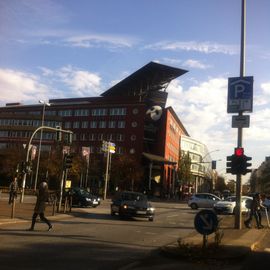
<point>230,199</point>
<point>133,197</point>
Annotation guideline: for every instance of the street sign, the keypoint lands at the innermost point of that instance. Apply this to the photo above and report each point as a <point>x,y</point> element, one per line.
<point>240,121</point>
<point>206,222</point>
<point>240,94</point>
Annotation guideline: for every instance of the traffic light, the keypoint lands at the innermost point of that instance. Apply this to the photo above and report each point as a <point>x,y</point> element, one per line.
<point>214,164</point>
<point>247,165</point>
<point>69,138</point>
<point>59,134</point>
<point>67,161</point>
<point>230,166</point>
<point>237,163</point>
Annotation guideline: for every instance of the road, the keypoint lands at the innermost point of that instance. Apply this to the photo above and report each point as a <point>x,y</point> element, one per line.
<point>90,238</point>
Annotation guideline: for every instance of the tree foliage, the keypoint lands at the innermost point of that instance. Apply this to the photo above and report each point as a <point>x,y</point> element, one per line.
<point>184,170</point>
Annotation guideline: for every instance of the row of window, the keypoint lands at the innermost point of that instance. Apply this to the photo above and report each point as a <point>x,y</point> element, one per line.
<point>27,122</point>
<point>95,124</point>
<point>87,112</point>
<point>119,137</point>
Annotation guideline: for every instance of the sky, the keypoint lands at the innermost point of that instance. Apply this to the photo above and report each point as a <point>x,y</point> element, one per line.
<point>66,48</point>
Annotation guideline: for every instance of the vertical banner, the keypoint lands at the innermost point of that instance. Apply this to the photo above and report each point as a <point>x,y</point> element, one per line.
<point>86,153</point>
<point>66,150</point>
<point>33,152</point>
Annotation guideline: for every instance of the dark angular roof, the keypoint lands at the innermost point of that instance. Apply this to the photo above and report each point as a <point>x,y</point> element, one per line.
<point>151,77</point>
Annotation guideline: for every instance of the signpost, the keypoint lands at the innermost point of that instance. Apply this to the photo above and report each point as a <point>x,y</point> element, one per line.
<point>206,222</point>
<point>240,94</point>
<point>240,121</point>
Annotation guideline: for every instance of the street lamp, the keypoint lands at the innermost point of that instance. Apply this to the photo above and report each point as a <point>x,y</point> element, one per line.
<point>40,139</point>
<point>197,179</point>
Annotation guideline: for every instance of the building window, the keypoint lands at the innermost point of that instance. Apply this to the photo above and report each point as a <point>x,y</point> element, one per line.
<point>92,137</point>
<point>120,137</point>
<point>65,113</point>
<point>84,124</point>
<point>83,137</point>
<point>110,137</point>
<point>93,124</point>
<point>121,124</point>
<point>118,111</point>
<point>67,124</point>
<point>100,137</point>
<point>134,124</point>
<point>50,112</point>
<point>82,112</point>
<point>133,137</point>
<point>76,124</point>
<point>99,112</point>
<point>111,124</point>
<point>102,124</point>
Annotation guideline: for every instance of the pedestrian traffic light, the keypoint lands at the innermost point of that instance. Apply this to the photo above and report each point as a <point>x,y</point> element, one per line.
<point>67,161</point>
<point>59,134</point>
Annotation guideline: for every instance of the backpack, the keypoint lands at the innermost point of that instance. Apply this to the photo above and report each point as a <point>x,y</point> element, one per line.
<point>249,203</point>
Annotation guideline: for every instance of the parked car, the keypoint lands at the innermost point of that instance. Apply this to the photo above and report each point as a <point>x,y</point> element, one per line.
<point>132,204</point>
<point>227,206</point>
<point>202,200</point>
<point>82,198</point>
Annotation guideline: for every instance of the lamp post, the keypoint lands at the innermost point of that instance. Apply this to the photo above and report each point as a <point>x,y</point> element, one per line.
<point>202,161</point>
<point>40,139</point>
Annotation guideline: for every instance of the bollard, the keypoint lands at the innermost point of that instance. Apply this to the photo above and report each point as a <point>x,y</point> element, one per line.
<point>13,208</point>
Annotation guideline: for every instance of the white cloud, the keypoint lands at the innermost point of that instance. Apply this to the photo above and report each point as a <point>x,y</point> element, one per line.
<point>203,47</point>
<point>266,88</point>
<point>191,63</point>
<point>97,40</point>
<point>17,86</point>
<point>202,108</point>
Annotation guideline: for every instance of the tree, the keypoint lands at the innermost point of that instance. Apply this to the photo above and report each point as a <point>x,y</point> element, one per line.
<point>184,172</point>
<point>126,173</point>
<point>220,184</point>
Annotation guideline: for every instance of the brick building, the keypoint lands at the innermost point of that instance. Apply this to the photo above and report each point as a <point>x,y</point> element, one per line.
<point>132,114</point>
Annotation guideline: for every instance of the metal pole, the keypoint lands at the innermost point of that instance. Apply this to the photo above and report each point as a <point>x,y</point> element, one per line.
<point>106,175</point>
<point>40,141</point>
<point>238,215</point>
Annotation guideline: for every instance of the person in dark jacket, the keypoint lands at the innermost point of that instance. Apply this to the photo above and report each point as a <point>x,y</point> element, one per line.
<point>13,188</point>
<point>255,210</point>
<point>42,199</point>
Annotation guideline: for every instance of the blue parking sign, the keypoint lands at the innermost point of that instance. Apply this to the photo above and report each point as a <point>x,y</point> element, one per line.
<point>240,94</point>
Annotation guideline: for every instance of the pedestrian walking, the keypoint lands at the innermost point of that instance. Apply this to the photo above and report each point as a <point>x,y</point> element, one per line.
<point>42,199</point>
<point>255,211</point>
<point>13,188</point>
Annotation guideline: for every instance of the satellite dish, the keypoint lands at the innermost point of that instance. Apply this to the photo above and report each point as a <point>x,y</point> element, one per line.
<point>154,112</point>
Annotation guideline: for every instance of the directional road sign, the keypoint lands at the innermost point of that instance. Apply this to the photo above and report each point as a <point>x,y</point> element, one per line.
<point>206,222</point>
<point>240,94</point>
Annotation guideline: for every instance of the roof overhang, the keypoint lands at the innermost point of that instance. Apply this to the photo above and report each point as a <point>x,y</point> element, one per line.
<point>158,159</point>
<point>151,77</point>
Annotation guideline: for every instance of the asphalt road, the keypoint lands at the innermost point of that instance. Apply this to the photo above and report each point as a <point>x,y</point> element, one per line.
<point>91,239</point>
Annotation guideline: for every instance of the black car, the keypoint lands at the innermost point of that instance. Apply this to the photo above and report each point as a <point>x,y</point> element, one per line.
<point>132,204</point>
<point>82,198</point>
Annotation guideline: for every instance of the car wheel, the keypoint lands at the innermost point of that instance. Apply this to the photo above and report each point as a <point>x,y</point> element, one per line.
<point>151,218</point>
<point>234,210</point>
<point>112,212</point>
<point>194,206</point>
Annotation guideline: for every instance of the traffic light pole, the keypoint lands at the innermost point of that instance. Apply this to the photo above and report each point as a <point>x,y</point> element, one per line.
<point>238,213</point>
<point>28,151</point>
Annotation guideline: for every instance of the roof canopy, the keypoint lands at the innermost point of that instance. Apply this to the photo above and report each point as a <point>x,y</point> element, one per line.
<point>158,159</point>
<point>149,78</point>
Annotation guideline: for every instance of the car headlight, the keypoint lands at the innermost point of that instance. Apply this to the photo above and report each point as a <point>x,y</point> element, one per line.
<point>151,209</point>
<point>88,199</point>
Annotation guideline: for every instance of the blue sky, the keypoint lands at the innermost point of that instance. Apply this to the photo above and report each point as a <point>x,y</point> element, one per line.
<point>67,48</point>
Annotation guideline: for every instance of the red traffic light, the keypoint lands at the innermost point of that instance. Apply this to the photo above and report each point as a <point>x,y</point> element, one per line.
<point>239,151</point>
